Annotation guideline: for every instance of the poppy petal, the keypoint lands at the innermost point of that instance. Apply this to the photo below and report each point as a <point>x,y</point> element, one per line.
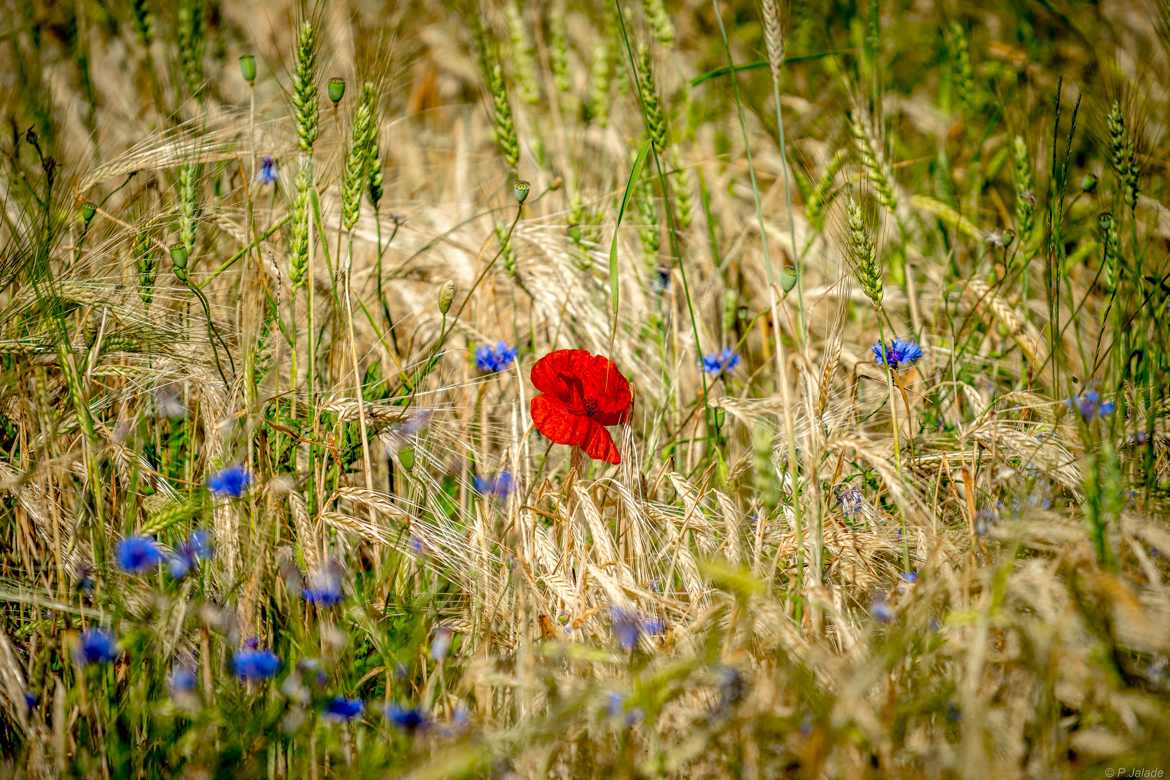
<point>553,420</point>
<point>599,445</point>
<point>584,381</point>
<point>606,391</point>
<point>548,372</point>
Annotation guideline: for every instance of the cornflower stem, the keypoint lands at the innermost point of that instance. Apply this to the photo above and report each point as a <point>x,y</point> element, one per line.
<point>911,285</point>
<point>897,442</point>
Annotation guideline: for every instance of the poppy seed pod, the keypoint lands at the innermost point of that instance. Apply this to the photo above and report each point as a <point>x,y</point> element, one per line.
<point>87,212</point>
<point>336,90</point>
<point>520,190</point>
<point>248,67</point>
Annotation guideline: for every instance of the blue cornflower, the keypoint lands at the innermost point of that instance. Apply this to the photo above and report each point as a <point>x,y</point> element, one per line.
<point>901,353</point>
<point>189,553</point>
<point>615,707</point>
<point>492,359</point>
<point>30,700</point>
<point>985,518</point>
<point>851,501</point>
<point>881,611</point>
<point>310,668</point>
<point>411,424</point>
<point>732,689</point>
<point>409,719</point>
<point>180,565</point>
<point>910,577</point>
<point>441,642</point>
<point>255,664</point>
<point>324,589</point>
<point>661,282</point>
<point>138,553</point>
<point>629,626</point>
<point>232,481</point>
<point>182,679</point>
<point>340,709</point>
<point>96,646</point>
<point>499,486</point>
<point>460,719</point>
<point>1090,405</point>
<point>268,174</point>
<point>85,581</point>
<point>719,362</point>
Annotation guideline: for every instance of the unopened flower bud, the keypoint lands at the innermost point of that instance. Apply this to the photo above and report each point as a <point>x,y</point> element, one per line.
<point>179,260</point>
<point>787,279</point>
<point>446,296</point>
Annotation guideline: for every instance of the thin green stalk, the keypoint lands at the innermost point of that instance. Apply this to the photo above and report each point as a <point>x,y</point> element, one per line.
<point>773,283</point>
<point>675,246</point>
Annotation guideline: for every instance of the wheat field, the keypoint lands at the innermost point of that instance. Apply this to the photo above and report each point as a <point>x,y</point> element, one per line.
<point>584,388</point>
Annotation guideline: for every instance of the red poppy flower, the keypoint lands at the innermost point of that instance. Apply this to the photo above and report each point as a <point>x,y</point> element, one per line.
<point>583,393</point>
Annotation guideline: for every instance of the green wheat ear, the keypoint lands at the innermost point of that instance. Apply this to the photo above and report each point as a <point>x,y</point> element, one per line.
<point>191,43</point>
<point>869,151</point>
<point>1110,250</point>
<point>652,106</point>
<point>304,93</point>
<point>962,75</point>
<point>374,182</point>
<point>143,22</point>
<point>507,251</point>
<point>503,125</point>
<point>821,195</point>
<point>681,189</point>
<point>659,21</point>
<point>356,176</point>
<point>188,205</point>
<point>558,49</point>
<point>1025,190</point>
<point>1123,155</point>
<point>299,241</point>
<point>522,56</point>
<point>600,81</point>
<point>863,253</point>
<point>649,233</point>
